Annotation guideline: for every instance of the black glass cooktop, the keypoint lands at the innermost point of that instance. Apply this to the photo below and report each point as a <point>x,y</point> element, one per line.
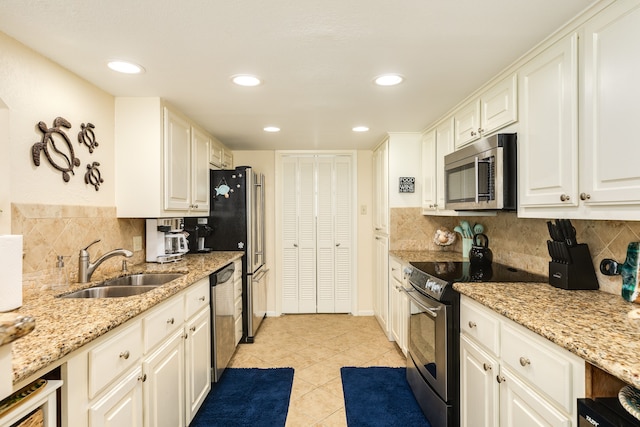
<point>463,271</point>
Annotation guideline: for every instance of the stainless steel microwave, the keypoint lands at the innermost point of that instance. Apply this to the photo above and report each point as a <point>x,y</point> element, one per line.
<point>483,175</point>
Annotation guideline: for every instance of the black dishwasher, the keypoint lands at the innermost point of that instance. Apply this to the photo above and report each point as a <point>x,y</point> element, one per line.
<point>223,343</point>
<point>604,412</point>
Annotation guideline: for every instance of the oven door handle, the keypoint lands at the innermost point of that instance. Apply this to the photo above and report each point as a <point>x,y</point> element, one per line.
<point>433,311</point>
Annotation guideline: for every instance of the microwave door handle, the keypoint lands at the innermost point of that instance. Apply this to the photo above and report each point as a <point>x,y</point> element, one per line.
<point>477,176</point>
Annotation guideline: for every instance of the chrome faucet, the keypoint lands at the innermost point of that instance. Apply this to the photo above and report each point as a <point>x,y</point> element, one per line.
<point>86,267</point>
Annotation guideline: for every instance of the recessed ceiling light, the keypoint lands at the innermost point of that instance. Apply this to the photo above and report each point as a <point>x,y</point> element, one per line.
<point>125,67</point>
<point>360,129</point>
<point>388,79</point>
<point>271,129</point>
<point>245,80</point>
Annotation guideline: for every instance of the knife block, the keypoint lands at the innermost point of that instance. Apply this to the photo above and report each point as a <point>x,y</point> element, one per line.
<point>576,274</point>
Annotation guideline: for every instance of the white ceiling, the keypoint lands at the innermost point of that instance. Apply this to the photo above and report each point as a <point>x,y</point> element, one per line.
<point>317,58</point>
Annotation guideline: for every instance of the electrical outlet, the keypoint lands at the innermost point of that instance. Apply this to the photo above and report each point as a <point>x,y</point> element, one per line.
<point>137,243</point>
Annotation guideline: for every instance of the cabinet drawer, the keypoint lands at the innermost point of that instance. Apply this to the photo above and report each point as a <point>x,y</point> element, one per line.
<point>479,323</point>
<point>540,363</point>
<point>163,321</point>
<point>197,297</point>
<point>114,356</point>
<point>396,269</point>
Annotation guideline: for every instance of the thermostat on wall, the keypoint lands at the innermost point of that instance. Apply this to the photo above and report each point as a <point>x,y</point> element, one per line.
<point>407,184</point>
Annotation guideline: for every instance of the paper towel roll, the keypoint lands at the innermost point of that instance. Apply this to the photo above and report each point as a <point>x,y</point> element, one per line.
<point>10,272</point>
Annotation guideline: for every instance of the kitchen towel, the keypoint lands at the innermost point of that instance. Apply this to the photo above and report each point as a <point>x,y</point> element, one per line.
<point>10,272</point>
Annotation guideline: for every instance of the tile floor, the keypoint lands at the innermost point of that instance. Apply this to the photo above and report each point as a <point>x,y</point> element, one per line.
<point>317,346</point>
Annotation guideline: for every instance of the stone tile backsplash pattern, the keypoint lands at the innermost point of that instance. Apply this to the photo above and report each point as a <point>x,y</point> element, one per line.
<point>520,242</point>
<point>51,230</point>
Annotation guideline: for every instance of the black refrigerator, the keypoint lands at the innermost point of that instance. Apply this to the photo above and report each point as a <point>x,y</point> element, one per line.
<point>236,221</point>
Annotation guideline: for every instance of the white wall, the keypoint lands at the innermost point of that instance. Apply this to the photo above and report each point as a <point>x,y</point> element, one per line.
<point>35,89</point>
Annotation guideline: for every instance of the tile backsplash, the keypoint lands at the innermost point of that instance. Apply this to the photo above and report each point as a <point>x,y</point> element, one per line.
<point>520,242</point>
<point>51,230</point>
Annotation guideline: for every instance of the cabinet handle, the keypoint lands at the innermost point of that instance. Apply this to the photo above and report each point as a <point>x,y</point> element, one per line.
<point>171,321</point>
<point>295,245</point>
<point>500,379</point>
<point>337,244</point>
<point>185,335</point>
<point>565,198</point>
<point>142,377</point>
<point>202,299</point>
<point>585,196</point>
<point>473,133</point>
<point>472,324</point>
<point>486,366</point>
<point>524,361</point>
<point>480,130</point>
<point>192,329</point>
<point>125,354</point>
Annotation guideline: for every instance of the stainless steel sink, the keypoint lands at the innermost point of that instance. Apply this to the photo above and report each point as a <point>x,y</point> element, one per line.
<point>125,286</point>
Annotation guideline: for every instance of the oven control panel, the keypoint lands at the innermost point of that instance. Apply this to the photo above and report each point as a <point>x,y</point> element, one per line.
<point>427,284</point>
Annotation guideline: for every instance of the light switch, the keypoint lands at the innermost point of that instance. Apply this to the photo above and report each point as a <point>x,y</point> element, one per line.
<point>363,209</point>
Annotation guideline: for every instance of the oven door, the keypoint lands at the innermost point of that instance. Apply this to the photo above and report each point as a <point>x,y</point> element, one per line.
<point>428,340</point>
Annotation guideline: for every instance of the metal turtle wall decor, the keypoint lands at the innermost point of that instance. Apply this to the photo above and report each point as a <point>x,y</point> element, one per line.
<point>93,175</point>
<point>87,137</point>
<point>57,148</point>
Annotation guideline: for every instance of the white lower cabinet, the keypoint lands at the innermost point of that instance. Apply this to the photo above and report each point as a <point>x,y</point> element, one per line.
<point>120,406</point>
<point>398,303</point>
<point>153,371</point>
<point>163,387</point>
<point>511,377</point>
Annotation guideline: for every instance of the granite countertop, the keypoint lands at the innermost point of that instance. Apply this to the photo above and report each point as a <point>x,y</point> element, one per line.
<point>14,326</point>
<point>590,324</point>
<point>63,325</point>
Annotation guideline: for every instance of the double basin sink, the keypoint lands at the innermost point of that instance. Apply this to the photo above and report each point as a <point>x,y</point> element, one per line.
<point>126,286</point>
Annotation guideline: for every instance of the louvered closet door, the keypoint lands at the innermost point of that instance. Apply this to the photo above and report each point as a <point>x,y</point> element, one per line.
<point>326,248</point>
<point>317,232</point>
<point>289,172</point>
<point>306,236</point>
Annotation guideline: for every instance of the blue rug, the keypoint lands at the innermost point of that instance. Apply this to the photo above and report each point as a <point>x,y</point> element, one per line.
<point>380,397</point>
<point>247,397</point>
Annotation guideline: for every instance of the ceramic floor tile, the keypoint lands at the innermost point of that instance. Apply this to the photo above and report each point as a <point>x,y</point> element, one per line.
<point>317,346</point>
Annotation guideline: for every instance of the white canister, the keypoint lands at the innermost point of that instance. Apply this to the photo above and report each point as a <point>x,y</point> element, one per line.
<point>11,268</point>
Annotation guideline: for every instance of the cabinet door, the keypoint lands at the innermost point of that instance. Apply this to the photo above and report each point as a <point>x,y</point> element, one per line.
<point>479,390</point>
<point>215,155</point>
<point>548,135</point>
<point>200,171</point>
<point>610,109</point>
<point>177,162</point>
<point>444,146</point>
<point>381,188</point>
<point>227,159</point>
<point>381,282</point>
<point>498,105</point>
<point>326,249</point>
<point>164,397</point>
<point>394,300</point>
<point>307,267</point>
<point>467,124</point>
<point>122,405</point>
<point>429,177</point>
<point>521,406</point>
<point>198,362</point>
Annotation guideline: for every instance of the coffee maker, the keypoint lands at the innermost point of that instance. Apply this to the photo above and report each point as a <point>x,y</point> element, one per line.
<point>198,230</point>
<point>166,240</point>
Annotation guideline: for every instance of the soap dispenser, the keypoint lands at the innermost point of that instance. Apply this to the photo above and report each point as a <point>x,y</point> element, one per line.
<point>60,279</point>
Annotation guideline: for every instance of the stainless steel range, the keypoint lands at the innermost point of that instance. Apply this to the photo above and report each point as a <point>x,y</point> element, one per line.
<point>433,359</point>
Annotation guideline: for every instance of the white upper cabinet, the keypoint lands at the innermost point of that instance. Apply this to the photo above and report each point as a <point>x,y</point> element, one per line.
<point>610,109</point>
<point>161,161</point>
<point>221,157</point>
<point>429,176</point>
<point>577,155</point>
<point>493,110</point>
<point>548,131</point>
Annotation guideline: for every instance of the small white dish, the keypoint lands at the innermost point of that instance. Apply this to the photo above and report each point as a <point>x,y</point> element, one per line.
<point>629,398</point>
